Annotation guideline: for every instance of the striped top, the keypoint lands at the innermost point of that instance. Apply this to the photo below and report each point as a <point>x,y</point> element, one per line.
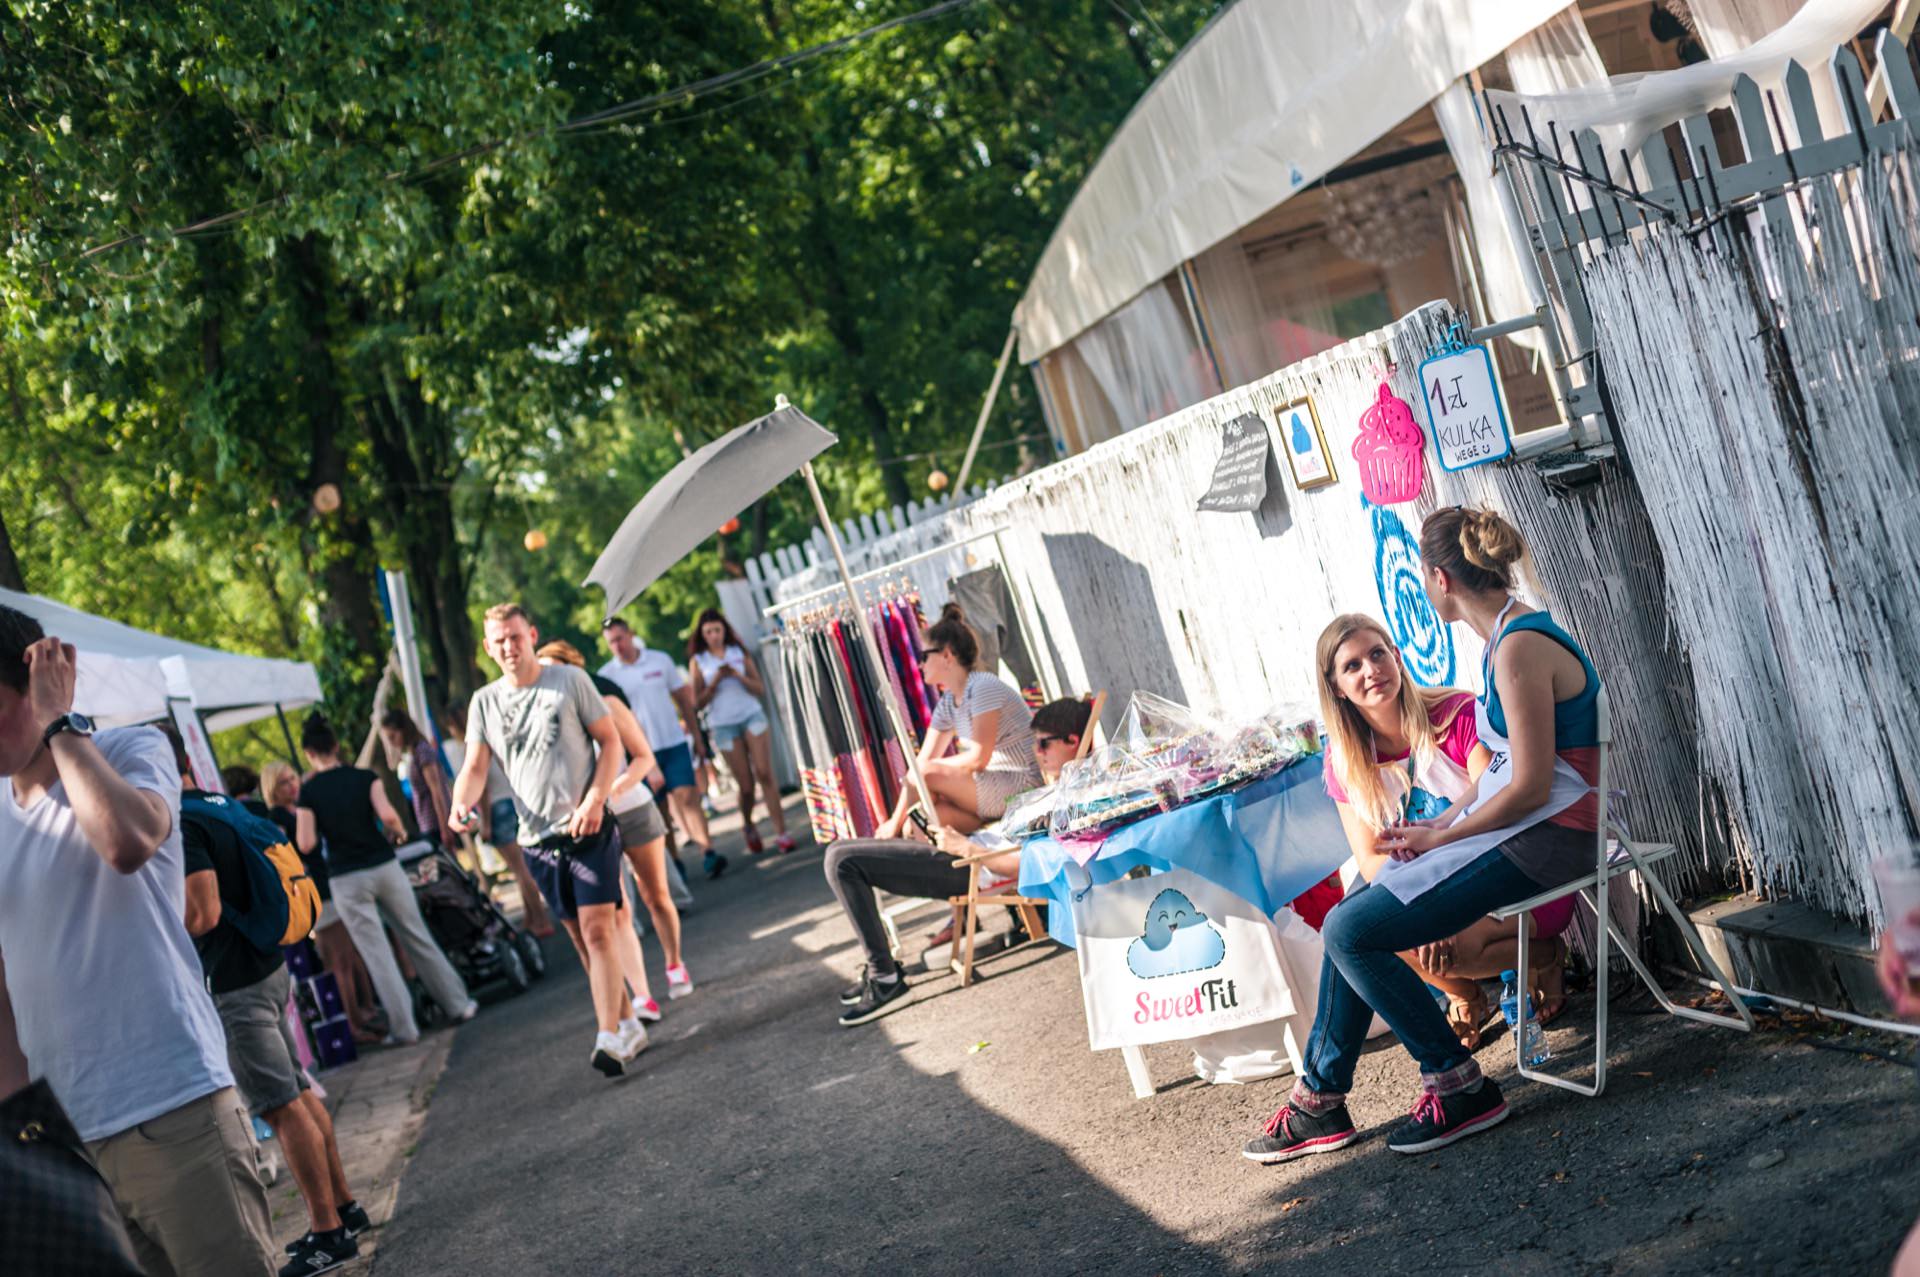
<point>985,694</point>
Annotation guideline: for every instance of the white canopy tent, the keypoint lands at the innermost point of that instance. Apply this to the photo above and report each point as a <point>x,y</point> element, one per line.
<point>129,675</point>
<point>1272,96</point>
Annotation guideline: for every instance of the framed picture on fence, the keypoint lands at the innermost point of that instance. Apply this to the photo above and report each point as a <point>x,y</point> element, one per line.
<point>1305,444</point>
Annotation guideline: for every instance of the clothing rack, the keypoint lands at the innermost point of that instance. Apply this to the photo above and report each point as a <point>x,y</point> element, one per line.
<point>864,577</point>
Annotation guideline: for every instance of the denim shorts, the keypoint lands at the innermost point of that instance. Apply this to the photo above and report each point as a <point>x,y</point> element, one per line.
<point>504,819</point>
<point>723,737</point>
<point>676,764</point>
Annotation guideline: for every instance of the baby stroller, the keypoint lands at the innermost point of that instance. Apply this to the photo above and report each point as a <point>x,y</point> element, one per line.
<point>476,936</point>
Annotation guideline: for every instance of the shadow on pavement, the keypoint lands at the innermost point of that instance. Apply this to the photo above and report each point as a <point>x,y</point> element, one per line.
<point>756,1135</point>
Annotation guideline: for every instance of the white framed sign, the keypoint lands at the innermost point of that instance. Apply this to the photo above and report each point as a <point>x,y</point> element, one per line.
<point>206,772</point>
<point>1465,417</point>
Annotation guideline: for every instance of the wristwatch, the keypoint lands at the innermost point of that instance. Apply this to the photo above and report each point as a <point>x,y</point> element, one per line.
<point>78,724</point>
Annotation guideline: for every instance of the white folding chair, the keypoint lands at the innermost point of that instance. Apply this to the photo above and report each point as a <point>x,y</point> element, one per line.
<point>1631,855</point>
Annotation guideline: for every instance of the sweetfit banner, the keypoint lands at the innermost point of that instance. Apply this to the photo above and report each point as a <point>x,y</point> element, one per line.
<point>1173,956</point>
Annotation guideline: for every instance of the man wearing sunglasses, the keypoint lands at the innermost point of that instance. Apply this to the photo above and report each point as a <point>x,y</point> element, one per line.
<point>858,867</point>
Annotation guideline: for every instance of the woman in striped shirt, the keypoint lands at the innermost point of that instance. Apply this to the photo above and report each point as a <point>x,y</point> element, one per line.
<point>992,724</point>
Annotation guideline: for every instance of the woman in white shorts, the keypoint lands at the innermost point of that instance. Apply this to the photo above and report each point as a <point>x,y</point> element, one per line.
<point>726,684</point>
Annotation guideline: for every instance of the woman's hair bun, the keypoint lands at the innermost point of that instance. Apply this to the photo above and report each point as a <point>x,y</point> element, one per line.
<point>951,611</point>
<point>1489,541</point>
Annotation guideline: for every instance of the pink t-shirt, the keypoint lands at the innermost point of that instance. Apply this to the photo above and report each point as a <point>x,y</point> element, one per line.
<point>1456,740</point>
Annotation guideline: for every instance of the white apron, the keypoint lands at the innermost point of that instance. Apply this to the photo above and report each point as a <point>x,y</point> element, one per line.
<point>1408,880</point>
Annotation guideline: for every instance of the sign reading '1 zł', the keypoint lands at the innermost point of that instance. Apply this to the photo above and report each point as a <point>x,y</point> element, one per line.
<point>1464,414</point>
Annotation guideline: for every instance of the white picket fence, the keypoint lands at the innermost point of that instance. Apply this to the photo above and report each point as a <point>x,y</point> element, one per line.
<point>794,569</point>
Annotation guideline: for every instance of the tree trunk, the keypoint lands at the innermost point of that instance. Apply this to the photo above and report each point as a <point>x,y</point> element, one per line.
<point>413,450</point>
<point>340,542</point>
<point>11,577</point>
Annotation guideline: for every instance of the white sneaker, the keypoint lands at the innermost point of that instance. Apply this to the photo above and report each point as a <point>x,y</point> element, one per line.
<point>609,1054</point>
<point>633,1039</point>
<point>679,983</point>
<point>646,1009</point>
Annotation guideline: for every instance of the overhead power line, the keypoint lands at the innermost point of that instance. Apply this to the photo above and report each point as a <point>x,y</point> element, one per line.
<point>610,115</point>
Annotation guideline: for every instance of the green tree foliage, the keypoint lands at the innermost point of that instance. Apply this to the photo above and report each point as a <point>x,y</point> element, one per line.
<point>294,291</point>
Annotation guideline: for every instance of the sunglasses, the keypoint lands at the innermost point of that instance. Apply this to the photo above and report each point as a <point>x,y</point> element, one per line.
<point>1042,742</point>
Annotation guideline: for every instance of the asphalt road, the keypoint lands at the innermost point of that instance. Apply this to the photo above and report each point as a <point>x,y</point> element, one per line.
<point>757,1136</point>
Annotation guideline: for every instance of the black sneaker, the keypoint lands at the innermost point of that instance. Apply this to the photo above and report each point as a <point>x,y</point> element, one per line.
<point>714,863</point>
<point>1294,1132</point>
<point>353,1218</point>
<point>855,991</point>
<point>1440,1120</point>
<point>875,1000</point>
<point>320,1253</point>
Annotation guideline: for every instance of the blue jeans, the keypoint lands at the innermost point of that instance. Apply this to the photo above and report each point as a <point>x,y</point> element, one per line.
<point>1363,973</point>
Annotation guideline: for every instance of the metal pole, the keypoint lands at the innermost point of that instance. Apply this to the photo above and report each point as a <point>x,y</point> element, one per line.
<point>866,637</point>
<point>945,547</point>
<point>986,410</point>
<point>293,750</point>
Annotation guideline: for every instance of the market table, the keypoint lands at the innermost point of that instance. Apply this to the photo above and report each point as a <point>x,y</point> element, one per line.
<point>1266,842</point>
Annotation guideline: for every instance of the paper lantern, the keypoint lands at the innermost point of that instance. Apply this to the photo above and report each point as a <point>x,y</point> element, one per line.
<point>326,498</point>
<point>535,540</point>
<point>937,480</point>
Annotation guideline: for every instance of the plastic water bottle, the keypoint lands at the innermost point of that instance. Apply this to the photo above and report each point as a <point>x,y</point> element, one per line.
<point>1514,1004</point>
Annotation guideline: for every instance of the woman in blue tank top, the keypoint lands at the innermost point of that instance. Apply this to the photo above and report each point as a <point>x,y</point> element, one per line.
<point>1526,827</point>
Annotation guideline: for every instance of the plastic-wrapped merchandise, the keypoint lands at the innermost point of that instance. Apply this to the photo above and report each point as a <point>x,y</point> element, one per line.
<point>1164,755</point>
<point>1029,813</point>
<point>1109,788</point>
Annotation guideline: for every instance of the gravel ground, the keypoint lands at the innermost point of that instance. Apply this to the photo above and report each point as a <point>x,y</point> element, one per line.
<point>757,1136</point>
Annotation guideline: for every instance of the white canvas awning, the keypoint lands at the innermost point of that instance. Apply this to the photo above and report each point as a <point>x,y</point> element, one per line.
<point>1270,97</point>
<point>128,675</point>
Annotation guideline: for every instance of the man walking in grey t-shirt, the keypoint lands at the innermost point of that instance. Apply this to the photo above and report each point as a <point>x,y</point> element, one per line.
<point>542,722</point>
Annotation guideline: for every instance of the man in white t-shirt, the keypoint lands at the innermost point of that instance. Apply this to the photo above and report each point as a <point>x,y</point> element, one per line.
<point>101,992</point>
<point>657,689</point>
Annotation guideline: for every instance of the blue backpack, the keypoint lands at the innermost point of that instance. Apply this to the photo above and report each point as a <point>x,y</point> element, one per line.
<point>285,900</point>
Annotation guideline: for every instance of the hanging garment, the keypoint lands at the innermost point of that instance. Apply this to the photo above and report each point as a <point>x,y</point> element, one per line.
<point>983,595</point>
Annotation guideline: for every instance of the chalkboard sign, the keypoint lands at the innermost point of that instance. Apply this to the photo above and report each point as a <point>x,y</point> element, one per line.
<point>1240,479</point>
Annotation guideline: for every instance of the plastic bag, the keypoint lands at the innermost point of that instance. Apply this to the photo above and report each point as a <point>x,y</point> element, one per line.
<point>1029,813</point>
<point>1109,788</point>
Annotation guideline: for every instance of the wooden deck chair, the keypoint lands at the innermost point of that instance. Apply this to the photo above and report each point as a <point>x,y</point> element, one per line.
<point>966,909</point>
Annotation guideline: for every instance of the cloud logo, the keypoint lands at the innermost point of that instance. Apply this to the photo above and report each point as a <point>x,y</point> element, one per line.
<point>1176,939</point>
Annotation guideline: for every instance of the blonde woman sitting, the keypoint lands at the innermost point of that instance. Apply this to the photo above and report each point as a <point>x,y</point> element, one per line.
<point>1401,754</point>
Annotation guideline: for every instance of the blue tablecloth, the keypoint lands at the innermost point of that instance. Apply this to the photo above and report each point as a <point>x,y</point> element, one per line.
<point>1266,842</point>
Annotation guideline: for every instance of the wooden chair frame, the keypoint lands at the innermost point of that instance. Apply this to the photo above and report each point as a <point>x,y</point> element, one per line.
<point>966,909</point>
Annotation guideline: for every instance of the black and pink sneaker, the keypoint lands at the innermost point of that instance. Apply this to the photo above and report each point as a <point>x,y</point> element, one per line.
<point>1294,1132</point>
<point>1439,1120</point>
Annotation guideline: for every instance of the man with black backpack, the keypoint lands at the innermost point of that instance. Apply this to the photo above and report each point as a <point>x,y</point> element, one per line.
<point>239,899</point>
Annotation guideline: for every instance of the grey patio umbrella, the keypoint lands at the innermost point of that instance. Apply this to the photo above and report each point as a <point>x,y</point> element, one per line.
<point>700,494</point>
<point>713,485</point>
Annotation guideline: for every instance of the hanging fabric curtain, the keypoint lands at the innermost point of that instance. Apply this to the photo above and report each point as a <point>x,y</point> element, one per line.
<point>1726,27</point>
<point>1237,323</point>
<point>1146,358</point>
<point>1627,109</point>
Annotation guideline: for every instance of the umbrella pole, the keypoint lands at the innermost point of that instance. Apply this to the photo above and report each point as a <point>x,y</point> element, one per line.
<point>873,649</point>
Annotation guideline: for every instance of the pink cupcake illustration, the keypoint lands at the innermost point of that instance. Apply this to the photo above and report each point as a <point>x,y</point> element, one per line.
<point>1388,450</point>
